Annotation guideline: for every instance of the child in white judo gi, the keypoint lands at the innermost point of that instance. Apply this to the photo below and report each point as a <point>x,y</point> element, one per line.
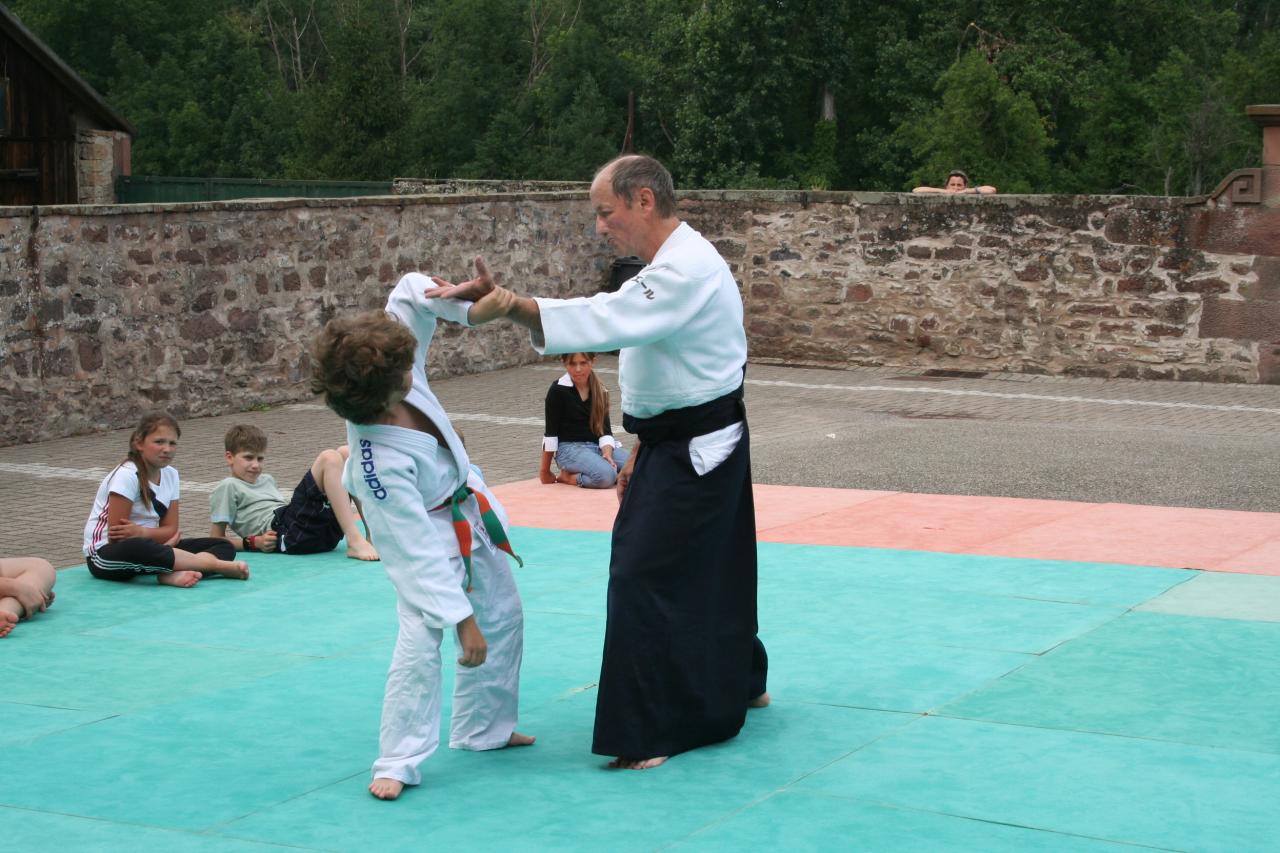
<point>439,531</point>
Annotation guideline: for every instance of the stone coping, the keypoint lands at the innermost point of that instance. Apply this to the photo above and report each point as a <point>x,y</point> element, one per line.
<point>800,197</point>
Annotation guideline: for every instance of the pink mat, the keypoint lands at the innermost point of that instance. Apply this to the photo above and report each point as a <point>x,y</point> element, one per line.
<point>1175,537</point>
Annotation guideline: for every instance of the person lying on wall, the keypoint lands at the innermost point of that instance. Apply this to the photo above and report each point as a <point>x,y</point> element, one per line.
<point>957,182</point>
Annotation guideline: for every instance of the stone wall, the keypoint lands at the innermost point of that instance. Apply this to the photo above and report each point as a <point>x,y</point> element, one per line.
<point>450,186</point>
<point>97,165</point>
<point>208,308</point>
<point>1090,286</point>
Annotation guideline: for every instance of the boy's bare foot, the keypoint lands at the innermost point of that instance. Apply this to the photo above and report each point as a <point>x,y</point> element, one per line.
<point>362,550</point>
<point>567,478</point>
<point>518,739</point>
<point>386,789</point>
<point>8,621</point>
<point>237,569</point>
<point>637,763</point>
<point>179,579</point>
<point>761,701</point>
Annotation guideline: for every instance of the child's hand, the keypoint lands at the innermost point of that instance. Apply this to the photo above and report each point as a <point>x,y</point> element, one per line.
<point>546,476</point>
<point>266,541</point>
<point>123,530</point>
<point>474,648</point>
<point>174,539</point>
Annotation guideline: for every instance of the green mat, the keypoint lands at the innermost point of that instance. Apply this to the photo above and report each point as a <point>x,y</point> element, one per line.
<point>922,702</point>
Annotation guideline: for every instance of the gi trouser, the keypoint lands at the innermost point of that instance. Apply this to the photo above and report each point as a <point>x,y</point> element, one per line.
<point>485,698</point>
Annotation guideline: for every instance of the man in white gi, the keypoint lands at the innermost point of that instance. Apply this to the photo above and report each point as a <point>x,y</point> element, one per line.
<point>681,662</point>
<point>425,505</point>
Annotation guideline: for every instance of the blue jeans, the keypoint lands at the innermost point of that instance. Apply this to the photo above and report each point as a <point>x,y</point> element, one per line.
<point>585,459</point>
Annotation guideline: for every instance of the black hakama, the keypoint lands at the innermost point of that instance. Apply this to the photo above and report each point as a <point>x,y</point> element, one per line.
<point>681,658</point>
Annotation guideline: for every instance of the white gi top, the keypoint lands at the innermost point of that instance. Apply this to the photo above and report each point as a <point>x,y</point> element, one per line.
<point>400,474</point>
<point>678,324</point>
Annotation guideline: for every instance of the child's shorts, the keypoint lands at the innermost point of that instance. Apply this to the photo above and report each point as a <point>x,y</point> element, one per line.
<point>307,525</point>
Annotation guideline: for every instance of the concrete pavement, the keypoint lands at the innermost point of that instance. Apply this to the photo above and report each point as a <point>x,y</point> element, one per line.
<point>1101,441</point>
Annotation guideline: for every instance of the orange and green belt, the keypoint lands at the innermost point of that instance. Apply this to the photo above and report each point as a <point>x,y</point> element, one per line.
<point>462,527</point>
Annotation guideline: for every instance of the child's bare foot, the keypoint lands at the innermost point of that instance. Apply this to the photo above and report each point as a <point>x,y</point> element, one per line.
<point>361,549</point>
<point>567,478</point>
<point>386,789</point>
<point>237,569</point>
<point>8,621</point>
<point>179,579</point>
<point>518,739</point>
<point>761,701</point>
<point>637,763</point>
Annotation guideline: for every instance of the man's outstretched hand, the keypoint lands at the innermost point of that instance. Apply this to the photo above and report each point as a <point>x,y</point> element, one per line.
<point>474,289</point>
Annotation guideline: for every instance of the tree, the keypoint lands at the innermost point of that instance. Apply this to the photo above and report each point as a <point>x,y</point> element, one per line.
<point>982,126</point>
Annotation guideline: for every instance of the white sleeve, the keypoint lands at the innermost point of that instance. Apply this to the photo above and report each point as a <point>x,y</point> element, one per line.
<point>652,306</point>
<point>409,545</point>
<point>409,303</point>
<point>124,482</point>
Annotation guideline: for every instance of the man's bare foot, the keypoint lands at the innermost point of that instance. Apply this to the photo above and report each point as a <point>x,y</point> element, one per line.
<point>362,550</point>
<point>518,739</point>
<point>179,579</point>
<point>761,701</point>
<point>386,789</point>
<point>567,478</point>
<point>637,763</point>
<point>8,621</point>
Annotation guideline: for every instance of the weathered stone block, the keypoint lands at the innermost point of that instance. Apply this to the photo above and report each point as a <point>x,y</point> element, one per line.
<point>201,327</point>
<point>1203,285</point>
<point>1266,285</point>
<point>1141,284</point>
<point>860,293</point>
<point>1245,320</point>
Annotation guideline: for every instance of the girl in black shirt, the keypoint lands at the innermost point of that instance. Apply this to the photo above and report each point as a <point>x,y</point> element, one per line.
<point>577,431</point>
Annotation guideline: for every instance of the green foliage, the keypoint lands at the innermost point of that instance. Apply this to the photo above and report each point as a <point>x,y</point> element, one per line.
<point>1038,95</point>
<point>982,126</point>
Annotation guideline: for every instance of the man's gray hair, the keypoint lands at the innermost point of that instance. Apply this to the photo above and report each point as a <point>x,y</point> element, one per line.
<point>633,172</point>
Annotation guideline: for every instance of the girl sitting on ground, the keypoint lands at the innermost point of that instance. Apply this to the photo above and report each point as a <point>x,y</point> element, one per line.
<point>133,527</point>
<point>577,429</point>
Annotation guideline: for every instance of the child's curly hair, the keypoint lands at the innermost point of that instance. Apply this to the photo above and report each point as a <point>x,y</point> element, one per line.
<point>359,362</point>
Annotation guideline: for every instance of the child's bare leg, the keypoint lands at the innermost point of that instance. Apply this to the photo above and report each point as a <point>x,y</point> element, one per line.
<point>38,576</point>
<point>327,471</point>
<point>567,478</point>
<point>206,563</point>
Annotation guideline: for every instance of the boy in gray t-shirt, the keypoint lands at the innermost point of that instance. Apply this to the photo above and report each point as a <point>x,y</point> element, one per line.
<point>248,510</point>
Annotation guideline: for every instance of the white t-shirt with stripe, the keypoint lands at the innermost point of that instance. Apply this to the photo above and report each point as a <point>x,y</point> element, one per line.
<point>124,481</point>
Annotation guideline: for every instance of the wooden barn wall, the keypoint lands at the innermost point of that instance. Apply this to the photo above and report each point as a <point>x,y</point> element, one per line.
<point>41,132</point>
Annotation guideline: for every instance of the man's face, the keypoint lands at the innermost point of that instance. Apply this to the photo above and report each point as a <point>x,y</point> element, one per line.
<point>955,184</point>
<point>245,465</point>
<point>621,225</point>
